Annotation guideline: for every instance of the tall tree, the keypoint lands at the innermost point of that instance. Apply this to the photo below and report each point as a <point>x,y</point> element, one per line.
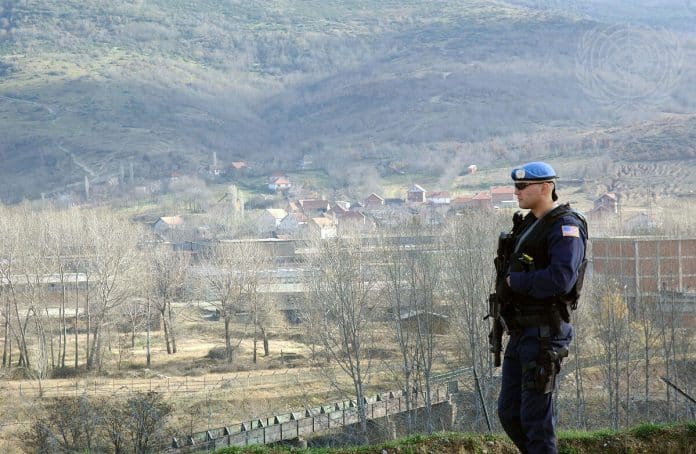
<point>413,277</point>
<point>167,275</point>
<point>113,242</point>
<point>614,333</point>
<point>232,275</point>
<point>468,280</point>
<point>341,286</point>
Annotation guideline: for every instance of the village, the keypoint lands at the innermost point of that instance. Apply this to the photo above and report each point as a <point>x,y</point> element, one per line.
<point>178,311</point>
<point>291,211</point>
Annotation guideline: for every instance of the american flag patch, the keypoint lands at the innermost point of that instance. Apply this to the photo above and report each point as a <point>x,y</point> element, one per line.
<point>570,230</point>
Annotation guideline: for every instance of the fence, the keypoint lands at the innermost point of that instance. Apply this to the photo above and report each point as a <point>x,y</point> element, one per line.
<point>171,385</point>
<point>114,386</point>
<point>295,425</point>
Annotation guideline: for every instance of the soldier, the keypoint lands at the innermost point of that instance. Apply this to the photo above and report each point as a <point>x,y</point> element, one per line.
<point>544,271</point>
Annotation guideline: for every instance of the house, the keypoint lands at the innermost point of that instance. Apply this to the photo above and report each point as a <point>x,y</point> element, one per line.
<point>600,213</point>
<point>166,224</point>
<point>293,207</point>
<point>270,219</point>
<point>415,194</point>
<point>314,206</point>
<point>460,202</point>
<point>478,201</point>
<point>343,204</point>
<point>237,168</point>
<point>503,196</point>
<point>373,201</point>
<point>394,202</point>
<point>354,220</point>
<point>608,200</point>
<point>471,169</point>
<point>280,183</point>
<point>294,224</point>
<point>604,207</point>
<point>337,210</point>
<point>322,227</point>
<point>438,197</point>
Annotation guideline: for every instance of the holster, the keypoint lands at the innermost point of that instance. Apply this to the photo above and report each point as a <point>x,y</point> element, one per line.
<point>547,364</point>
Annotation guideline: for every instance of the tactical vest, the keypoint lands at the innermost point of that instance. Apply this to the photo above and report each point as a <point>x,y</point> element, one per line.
<point>532,253</point>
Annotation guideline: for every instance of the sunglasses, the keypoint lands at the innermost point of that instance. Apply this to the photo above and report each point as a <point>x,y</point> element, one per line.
<point>522,186</point>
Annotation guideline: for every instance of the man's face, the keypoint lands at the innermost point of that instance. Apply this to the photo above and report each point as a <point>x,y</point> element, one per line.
<point>530,194</point>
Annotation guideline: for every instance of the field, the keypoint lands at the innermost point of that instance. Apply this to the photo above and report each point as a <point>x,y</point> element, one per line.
<point>205,393</point>
<point>208,393</point>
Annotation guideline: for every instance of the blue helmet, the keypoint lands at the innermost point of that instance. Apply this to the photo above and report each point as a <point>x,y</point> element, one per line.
<point>533,171</point>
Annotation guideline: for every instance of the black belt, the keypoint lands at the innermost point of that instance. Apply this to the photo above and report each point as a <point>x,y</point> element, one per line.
<point>516,322</point>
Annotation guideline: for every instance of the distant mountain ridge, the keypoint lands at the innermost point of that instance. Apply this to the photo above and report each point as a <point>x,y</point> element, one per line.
<point>88,86</point>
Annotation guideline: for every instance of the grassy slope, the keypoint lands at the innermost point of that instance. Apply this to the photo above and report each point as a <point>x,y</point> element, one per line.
<point>647,438</point>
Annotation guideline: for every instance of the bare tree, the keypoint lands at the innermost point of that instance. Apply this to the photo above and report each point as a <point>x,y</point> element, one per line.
<point>614,335</point>
<point>647,314</point>
<point>232,274</point>
<point>341,305</point>
<point>113,243</point>
<point>14,274</point>
<point>469,274</point>
<point>63,243</point>
<point>167,274</point>
<point>400,293</point>
<point>413,280</point>
<point>264,313</point>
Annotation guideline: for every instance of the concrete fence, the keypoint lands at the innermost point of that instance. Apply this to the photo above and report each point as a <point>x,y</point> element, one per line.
<point>306,423</point>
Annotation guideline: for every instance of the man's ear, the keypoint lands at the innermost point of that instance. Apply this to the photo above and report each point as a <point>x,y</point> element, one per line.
<point>547,189</point>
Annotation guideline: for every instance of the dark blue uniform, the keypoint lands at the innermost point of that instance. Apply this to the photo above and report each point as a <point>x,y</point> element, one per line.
<point>527,413</point>
<point>566,250</point>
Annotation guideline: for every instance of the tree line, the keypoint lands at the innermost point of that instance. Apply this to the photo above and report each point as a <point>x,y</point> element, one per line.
<point>69,277</point>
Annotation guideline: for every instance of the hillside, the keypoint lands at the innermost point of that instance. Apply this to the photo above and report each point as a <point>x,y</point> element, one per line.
<point>88,86</point>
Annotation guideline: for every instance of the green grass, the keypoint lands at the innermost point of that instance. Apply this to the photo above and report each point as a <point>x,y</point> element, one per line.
<point>648,430</point>
<point>579,435</point>
<point>691,429</point>
<point>642,438</point>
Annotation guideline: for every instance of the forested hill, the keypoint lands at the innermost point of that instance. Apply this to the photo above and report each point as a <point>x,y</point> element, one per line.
<point>88,85</point>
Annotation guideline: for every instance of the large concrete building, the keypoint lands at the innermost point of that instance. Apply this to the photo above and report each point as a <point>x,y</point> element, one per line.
<point>656,268</point>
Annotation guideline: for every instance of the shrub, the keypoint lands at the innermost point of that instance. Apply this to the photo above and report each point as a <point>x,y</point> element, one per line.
<point>647,431</point>
<point>84,424</point>
<point>217,353</point>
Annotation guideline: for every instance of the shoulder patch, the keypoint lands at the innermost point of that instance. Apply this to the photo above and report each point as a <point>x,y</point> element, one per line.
<point>570,230</point>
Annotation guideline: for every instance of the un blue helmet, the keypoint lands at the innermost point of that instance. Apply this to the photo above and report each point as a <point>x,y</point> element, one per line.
<point>535,171</point>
